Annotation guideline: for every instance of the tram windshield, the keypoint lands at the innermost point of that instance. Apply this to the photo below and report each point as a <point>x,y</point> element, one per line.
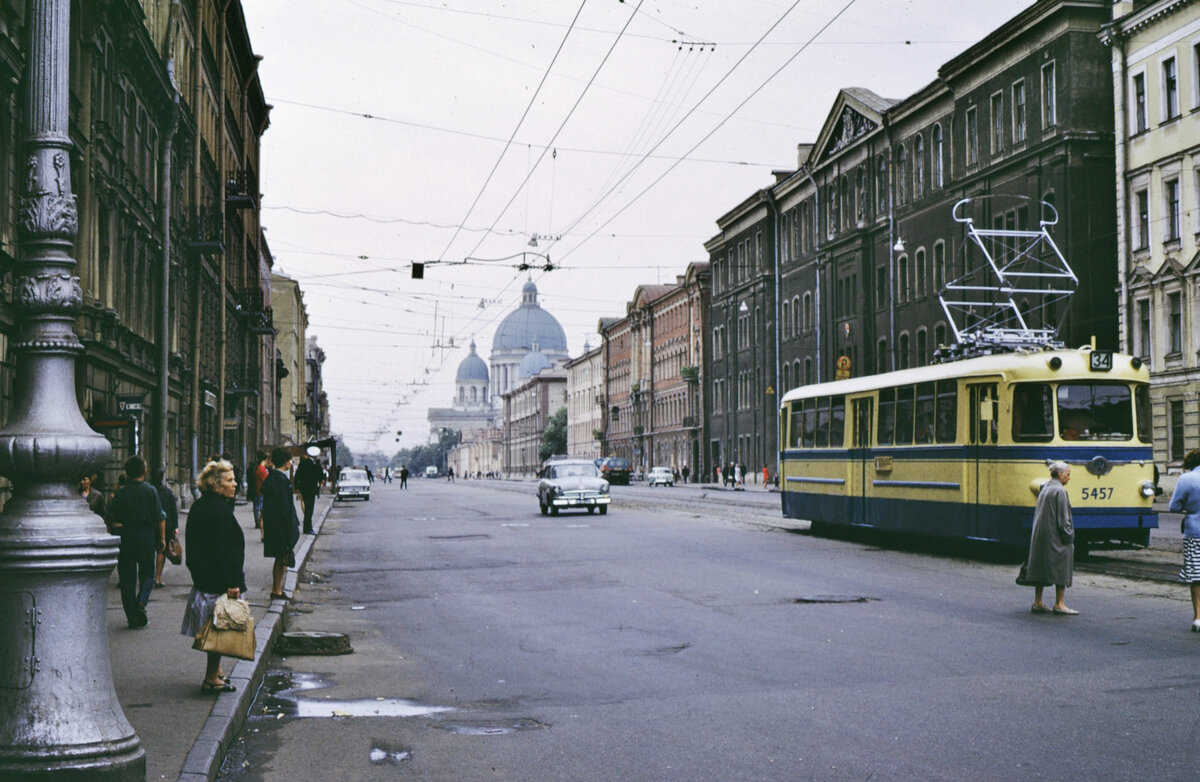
<point>1086,411</point>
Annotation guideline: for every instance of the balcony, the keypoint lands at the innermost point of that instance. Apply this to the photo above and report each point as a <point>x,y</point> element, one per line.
<point>206,232</point>
<point>241,190</point>
<point>259,318</point>
<point>690,422</point>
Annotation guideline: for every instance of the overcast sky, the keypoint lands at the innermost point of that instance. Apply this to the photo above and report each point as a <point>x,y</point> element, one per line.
<point>452,132</point>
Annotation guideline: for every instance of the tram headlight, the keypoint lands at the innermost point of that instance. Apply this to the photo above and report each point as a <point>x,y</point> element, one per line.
<point>1147,488</point>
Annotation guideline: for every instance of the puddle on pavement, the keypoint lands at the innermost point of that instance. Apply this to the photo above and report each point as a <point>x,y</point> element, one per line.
<point>282,697</point>
<point>488,727</point>
<point>387,753</point>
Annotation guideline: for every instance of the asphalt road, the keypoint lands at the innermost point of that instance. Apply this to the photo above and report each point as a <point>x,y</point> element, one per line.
<point>664,641</point>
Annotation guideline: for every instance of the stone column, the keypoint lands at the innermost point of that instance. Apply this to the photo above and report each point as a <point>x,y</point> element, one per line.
<point>59,715</point>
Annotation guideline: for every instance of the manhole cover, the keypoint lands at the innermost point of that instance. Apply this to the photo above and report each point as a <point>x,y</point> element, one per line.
<point>312,642</point>
<point>834,599</point>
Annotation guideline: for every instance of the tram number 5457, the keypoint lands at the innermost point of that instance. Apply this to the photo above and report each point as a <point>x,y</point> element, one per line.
<point>1101,493</point>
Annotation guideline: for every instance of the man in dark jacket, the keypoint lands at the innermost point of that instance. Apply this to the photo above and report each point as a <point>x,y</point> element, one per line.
<point>308,481</point>
<point>136,514</point>
<point>280,528</point>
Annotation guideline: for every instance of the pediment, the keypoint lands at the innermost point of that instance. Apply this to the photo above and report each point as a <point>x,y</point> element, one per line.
<point>855,114</point>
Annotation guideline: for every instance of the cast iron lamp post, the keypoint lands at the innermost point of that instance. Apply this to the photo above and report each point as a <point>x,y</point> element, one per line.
<point>59,715</point>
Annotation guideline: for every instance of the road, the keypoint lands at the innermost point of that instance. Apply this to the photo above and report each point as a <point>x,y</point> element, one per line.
<point>676,639</point>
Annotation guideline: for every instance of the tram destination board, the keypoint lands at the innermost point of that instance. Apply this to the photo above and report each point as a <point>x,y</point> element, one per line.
<point>1100,360</point>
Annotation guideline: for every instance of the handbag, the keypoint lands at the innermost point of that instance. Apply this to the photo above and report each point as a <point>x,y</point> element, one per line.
<point>174,551</point>
<point>237,643</point>
<point>1022,577</point>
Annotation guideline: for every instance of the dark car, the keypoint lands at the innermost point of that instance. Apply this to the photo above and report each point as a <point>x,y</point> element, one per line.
<point>615,470</point>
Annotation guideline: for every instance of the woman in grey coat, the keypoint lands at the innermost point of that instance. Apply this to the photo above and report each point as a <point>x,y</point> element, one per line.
<point>1052,544</point>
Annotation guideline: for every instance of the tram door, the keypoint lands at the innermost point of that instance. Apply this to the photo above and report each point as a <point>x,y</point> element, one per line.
<point>860,470</point>
<point>981,439</point>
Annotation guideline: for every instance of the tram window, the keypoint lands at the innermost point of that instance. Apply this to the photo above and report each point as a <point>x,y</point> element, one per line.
<point>887,416</point>
<point>947,411</point>
<point>1095,411</point>
<point>924,414</point>
<point>797,423</point>
<point>904,415</point>
<point>1032,413</point>
<point>810,419</point>
<point>837,421</point>
<point>1141,401</point>
<point>822,436</point>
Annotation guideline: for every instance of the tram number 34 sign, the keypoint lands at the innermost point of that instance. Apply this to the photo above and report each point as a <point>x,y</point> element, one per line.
<point>1098,493</point>
<point>1100,360</point>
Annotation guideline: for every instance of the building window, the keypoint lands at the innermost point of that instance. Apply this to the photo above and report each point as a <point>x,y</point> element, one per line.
<point>1171,205</point>
<point>806,310</point>
<point>1139,103</point>
<point>922,347</point>
<point>903,352</point>
<point>1170,87</point>
<point>938,166</point>
<point>860,194</point>
<point>881,362</point>
<point>939,334</point>
<point>920,271</point>
<point>902,281</point>
<point>881,188</point>
<point>1143,337</point>
<point>997,123</point>
<point>972,138</point>
<point>918,166</point>
<point>1177,445</point>
<point>881,287</point>
<point>1141,220</point>
<point>847,201</point>
<point>1175,322</point>
<point>1018,112</point>
<point>1049,100</point>
<point>939,266</point>
<point>1196,75</point>
<point>901,173</point>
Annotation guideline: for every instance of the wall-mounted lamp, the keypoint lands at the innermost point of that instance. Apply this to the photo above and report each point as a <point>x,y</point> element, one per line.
<point>899,245</point>
<point>533,241</point>
<point>743,307</point>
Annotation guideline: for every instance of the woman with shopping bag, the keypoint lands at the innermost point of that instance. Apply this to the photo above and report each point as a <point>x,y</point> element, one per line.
<point>215,555</point>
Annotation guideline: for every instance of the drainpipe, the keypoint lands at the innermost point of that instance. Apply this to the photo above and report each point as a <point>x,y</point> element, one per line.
<point>1122,163</point>
<point>817,263</point>
<point>774,207</point>
<point>223,258</point>
<point>162,394</point>
<point>887,127</point>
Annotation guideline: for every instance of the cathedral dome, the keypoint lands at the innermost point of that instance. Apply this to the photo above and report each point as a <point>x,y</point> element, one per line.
<point>529,325</point>
<point>535,361</point>
<point>472,367</point>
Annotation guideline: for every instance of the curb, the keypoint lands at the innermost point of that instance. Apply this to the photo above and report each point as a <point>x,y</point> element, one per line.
<point>228,714</point>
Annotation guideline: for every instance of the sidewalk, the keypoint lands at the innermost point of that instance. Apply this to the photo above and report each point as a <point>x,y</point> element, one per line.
<point>157,673</point>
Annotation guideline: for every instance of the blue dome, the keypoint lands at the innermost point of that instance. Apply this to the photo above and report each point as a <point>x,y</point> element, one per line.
<point>535,361</point>
<point>529,325</point>
<point>472,367</point>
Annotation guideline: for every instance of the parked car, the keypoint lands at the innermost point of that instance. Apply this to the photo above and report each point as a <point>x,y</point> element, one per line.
<point>353,485</point>
<point>661,476</point>
<point>431,471</point>
<point>615,470</point>
<point>567,484</point>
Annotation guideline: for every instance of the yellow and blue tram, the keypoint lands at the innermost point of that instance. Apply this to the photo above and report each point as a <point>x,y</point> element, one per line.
<point>960,449</point>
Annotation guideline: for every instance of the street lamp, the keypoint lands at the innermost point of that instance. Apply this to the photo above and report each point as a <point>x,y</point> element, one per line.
<point>59,714</point>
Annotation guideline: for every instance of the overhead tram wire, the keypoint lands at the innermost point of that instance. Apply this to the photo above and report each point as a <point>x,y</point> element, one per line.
<point>562,125</point>
<point>718,126</point>
<point>521,121</point>
<point>605,196</point>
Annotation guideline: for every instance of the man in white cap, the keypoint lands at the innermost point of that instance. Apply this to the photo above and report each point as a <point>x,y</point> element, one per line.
<point>307,482</point>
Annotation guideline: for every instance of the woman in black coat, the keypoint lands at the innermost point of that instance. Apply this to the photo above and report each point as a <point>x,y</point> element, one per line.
<point>215,551</point>
<point>280,525</point>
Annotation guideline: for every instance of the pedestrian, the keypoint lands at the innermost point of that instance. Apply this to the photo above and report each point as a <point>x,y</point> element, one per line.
<point>738,475</point>
<point>170,507</point>
<point>262,463</point>
<point>370,475</point>
<point>95,498</point>
<point>766,477</point>
<point>280,527</point>
<point>216,553</point>
<point>136,514</point>
<point>403,477</point>
<point>717,471</point>
<point>1186,500</point>
<point>684,472</point>
<point>308,483</point>
<point>1051,544</point>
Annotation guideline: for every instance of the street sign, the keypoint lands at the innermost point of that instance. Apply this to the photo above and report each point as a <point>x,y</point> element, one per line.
<point>131,404</point>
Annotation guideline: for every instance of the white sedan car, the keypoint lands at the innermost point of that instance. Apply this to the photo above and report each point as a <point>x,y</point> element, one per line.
<point>661,476</point>
<point>353,485</point>
<point>569,484</point>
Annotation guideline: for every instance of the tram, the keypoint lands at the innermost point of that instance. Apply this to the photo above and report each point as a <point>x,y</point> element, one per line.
<point>960,450</point>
